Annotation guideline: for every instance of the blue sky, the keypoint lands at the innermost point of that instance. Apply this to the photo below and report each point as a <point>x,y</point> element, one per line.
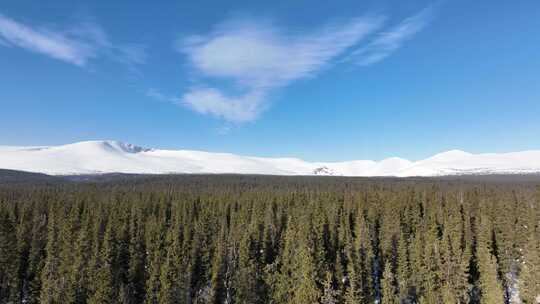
<point>339,80</point>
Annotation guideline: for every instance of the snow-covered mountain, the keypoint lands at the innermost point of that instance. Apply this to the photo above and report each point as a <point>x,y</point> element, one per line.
<point>96,157</point>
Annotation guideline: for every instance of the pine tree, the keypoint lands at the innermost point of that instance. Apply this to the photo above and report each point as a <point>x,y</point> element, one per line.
<point>419,270</point>
<point>353,292</point>
<point>36,257</point>
<point>8,259</point>
<point>280,276</point>
<point>529,278</point>
<point>171,275</point>
<point>306,290</point>
<point>454,259</point>
<point>330,294</point>
<point>68,225</point>
<point>217,279</point>
<point>403,268</point>
<point>364,253</point>
<point>154,248</point>
<point>79,266</point>
<point>388,288</point>
<point>50,274</point>
<point>24,237</point>
<point>433,275</point>
<point>104,285</point>
<point>246,275</point>
<point>492,291</point>
<point>491,287</point>
<point>136,275</point>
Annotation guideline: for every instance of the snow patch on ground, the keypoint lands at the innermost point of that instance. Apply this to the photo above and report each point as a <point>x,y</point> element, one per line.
<point>513,288</point>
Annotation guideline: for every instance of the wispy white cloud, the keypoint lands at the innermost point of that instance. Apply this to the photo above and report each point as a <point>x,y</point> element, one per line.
<point>224,129</point>
<point>77,45</point>
<point>240,63</point>
<point>391,40</point>
<point>156,94</point>
<point>57,45</point>
<point>259,58</point>
<point>261,55</point>
<point>3,43</point>
<point>131,54</point>
<point>239,109</point>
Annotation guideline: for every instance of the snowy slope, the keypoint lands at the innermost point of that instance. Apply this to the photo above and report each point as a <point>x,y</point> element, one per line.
<point>95,157</point>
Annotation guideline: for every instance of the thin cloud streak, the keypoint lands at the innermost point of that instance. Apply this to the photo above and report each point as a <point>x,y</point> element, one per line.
<point>391,40</point>
<point>155,94</point>
<point>59,46</point>
<point>78,45</point>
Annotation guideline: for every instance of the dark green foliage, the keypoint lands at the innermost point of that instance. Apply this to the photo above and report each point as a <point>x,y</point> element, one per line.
<point>256,239</point>
<point>388,288</point>
<point>9,257</point>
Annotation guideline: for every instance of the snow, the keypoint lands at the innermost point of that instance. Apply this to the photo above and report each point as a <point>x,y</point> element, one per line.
<point>458,162</point>
<point>97,157</point>
<point>513,288</point>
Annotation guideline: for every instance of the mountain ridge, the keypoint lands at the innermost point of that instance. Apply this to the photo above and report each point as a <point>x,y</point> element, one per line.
<point>111,156</point>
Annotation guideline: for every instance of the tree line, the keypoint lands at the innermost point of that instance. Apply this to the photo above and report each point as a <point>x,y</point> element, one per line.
<point>256,239</point>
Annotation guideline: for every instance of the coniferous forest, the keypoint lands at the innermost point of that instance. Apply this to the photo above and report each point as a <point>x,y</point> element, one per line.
<point>263,239</point>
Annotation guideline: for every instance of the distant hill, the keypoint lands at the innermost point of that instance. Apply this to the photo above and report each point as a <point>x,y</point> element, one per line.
<point>14,176</point>
<point>103,157</point>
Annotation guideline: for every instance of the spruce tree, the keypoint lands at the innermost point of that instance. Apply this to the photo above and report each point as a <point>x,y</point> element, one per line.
<point>491,287</point>
<point>50,277</point>
<point>330,295</point>
<point>306,289</point>
<point>388,288</point>
<point>36,258</point>
<point>171,273</point>
<point>403,268</point>
<point>9,257</point>
<point>529,279</point>
<point>78,276</point>
<point>105,291</point>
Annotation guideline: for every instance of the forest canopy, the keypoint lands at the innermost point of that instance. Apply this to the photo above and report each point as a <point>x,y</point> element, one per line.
<point>263,239</point>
